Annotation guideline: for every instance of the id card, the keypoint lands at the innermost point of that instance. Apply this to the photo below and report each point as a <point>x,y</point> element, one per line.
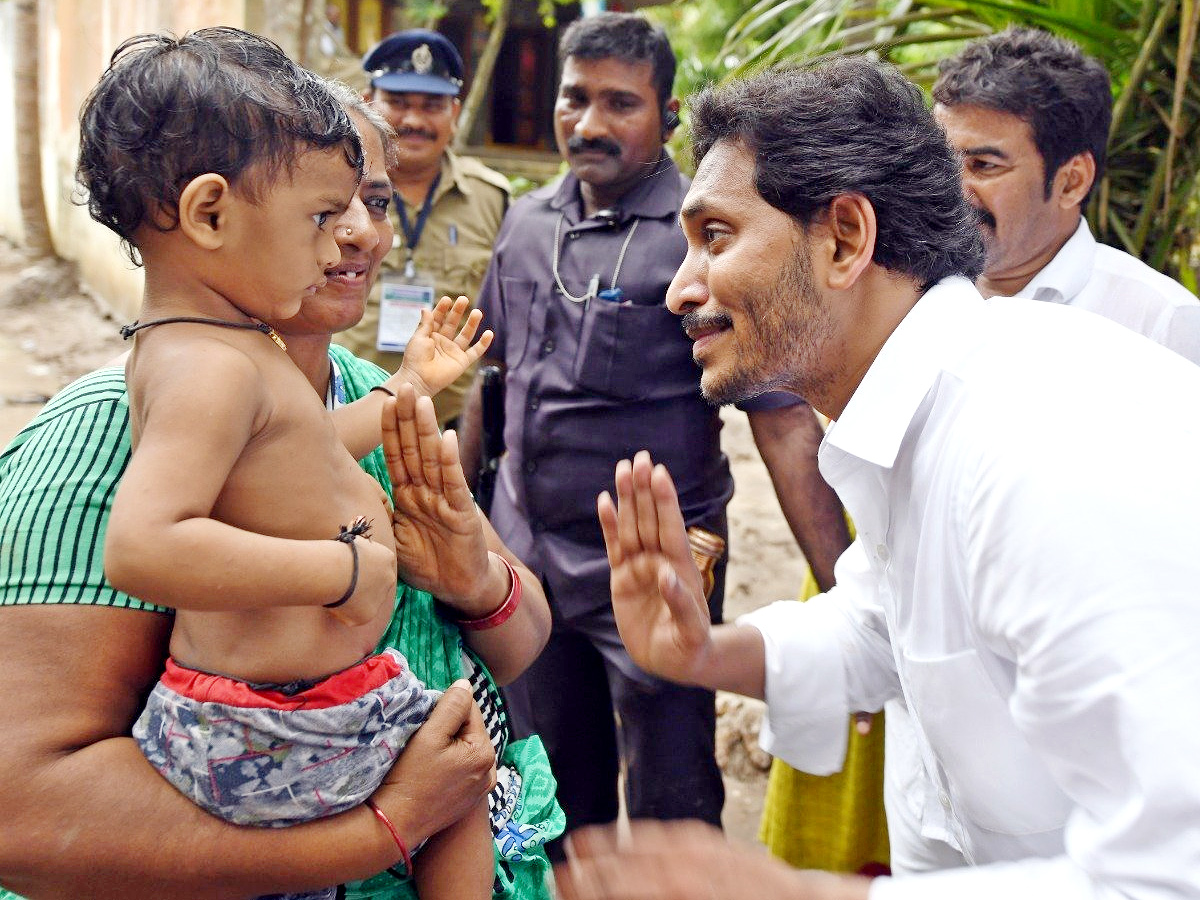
<point>400,303</point>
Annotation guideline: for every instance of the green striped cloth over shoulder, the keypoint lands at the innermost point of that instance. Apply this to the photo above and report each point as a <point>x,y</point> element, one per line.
<point>57,481</point>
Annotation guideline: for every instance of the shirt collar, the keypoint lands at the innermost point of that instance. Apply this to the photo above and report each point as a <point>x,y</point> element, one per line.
<point>936,332</point>
<point>1061,279</point>
<point>656,197</point>
<point>452,176</point>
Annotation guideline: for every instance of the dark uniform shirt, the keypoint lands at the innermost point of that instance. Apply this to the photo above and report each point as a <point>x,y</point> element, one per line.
<point>590,383</point>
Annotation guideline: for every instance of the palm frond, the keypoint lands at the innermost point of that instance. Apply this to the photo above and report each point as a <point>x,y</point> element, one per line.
<point>1149,198</point>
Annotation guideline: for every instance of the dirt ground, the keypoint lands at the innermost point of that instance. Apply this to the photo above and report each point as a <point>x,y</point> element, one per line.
<point>51,336</point>
<point>48,337</point>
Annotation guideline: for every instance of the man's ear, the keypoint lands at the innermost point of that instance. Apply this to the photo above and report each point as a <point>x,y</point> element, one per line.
<point>1074,179</point>
<point>670,118</point>
<point>203,210</point>
<point>850,247</point>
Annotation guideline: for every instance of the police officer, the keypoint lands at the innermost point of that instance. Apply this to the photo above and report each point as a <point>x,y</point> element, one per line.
<point>446,208</point>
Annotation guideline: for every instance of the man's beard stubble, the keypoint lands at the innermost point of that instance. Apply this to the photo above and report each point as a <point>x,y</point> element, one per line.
<point>787,323</point>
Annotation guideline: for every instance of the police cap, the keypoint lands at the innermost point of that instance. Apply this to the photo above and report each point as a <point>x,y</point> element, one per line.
<point>415,60</point>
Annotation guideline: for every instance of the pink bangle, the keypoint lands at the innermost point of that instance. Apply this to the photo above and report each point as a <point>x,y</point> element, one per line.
<point>387,823</point>
<point>504,611</point>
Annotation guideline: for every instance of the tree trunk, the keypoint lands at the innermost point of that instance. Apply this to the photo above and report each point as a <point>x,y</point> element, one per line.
<point>27,119</point>
<point>482,79</point>
<point>305,30</point>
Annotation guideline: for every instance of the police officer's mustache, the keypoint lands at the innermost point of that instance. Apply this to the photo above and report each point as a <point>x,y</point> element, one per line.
<point>416,132</point>
<point>576,144</point>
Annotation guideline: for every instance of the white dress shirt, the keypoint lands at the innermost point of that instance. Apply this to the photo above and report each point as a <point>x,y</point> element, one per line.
<point>1027,579</point>
<point>1122,288</point>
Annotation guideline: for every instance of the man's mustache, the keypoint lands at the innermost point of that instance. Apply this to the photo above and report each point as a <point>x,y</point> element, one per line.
<point>984,218</point>
<point>693,322</point>
<point>576,144</point>
<point>416,132</point>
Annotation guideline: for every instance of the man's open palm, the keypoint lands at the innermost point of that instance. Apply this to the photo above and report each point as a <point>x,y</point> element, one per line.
<point>657,591</point>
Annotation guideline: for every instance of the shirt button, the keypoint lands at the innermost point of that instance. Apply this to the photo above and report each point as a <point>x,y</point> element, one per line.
<point>572,235</point>
<point>944,799</point>
<point>881,551</point>
<point>530,466</point>
<point>533,404</point>
<point>547,346</point>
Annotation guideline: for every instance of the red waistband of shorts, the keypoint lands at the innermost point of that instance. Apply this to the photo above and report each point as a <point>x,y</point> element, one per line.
<point>340,687</point>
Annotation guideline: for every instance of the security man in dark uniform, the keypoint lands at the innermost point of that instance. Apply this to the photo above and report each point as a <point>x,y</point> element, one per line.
<point>597,368</point>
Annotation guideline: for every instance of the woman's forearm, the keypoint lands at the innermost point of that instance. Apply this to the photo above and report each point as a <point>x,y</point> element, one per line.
<point>86,816</point>
<point>509,648</point>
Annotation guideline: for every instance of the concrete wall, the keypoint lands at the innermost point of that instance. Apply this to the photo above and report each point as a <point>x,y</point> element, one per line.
<point>77,38</point>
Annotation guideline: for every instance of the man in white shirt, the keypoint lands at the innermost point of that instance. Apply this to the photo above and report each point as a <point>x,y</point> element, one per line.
<point>1037,615</point>
<point>1029,112</point>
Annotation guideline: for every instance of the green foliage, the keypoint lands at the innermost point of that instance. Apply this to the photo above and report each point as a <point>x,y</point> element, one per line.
<point>1149,199</point>
<point>421,13</point>
<point>546,9</point>
<point>521,185</point>
<point>698,29</point>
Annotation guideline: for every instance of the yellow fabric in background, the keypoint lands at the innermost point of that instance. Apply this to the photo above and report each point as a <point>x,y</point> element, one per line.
<point>834,822</point>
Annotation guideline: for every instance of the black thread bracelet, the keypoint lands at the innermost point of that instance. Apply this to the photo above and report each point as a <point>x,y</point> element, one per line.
<point>360,526</point>
<point>383,389</point>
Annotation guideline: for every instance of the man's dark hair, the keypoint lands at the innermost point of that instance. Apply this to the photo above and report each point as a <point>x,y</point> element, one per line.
<point>216,100</point>
<point>851,126</point>
<point>627,37</point>
<point>1042,79</point>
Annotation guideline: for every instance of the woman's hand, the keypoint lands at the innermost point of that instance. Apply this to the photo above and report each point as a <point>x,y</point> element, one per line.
<point>443,770</point>
<point>440,541</point>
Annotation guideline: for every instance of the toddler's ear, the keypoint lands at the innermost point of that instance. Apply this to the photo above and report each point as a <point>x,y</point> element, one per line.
<point>203,206</point>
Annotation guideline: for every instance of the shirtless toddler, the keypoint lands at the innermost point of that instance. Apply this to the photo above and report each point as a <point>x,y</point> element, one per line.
<point>224,167</point>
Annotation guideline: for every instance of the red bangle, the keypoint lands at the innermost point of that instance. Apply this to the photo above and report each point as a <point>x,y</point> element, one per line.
<point>387,823</point>
<point>504,611</point>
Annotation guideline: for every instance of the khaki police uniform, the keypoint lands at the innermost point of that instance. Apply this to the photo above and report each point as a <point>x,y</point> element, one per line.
<point>453,250</point>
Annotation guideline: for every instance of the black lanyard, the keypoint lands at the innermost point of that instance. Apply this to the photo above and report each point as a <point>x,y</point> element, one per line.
<point>412,233</point>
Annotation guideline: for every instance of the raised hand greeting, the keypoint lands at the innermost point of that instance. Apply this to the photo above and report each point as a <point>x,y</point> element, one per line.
<point>657,591</point>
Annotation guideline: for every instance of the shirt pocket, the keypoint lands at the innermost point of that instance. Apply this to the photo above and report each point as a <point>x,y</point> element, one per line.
<point>996,780</point>
<point>463,268</point>
<point>633,352</point>
<point>517,295</point>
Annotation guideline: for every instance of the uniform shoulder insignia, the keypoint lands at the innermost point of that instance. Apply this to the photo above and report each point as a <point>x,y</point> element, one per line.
<point>473,168</point>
